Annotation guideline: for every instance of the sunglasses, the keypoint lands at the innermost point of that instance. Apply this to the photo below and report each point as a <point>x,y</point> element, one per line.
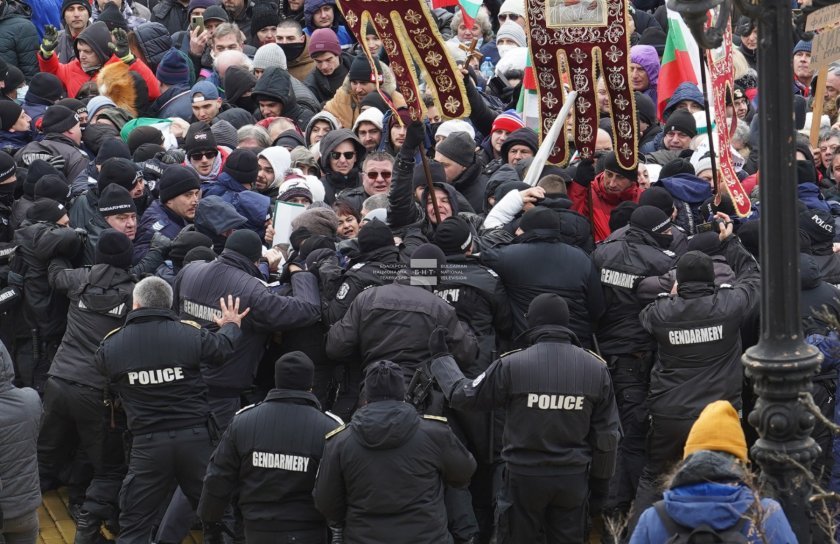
<point>335,155</point>
<point>512,16</point>
<point>374,175</point>
<point>198,155</point>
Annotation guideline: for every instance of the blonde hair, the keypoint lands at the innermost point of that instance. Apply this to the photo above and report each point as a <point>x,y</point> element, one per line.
<point>482,20</point>
<point>740,66</point>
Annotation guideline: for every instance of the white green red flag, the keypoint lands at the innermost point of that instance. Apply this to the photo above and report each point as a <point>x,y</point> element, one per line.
<point>680,61</point>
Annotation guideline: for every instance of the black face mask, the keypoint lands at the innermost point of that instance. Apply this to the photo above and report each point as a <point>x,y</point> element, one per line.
<point>292,50</point>
<point>805,172</point>
<point>247,103</point>
<point>663,240</point>
<point>7,193</point>
<point>434,126</point>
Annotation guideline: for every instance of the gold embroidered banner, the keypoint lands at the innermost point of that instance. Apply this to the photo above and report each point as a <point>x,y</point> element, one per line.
<point>408,32</point>
<point>590,35</point>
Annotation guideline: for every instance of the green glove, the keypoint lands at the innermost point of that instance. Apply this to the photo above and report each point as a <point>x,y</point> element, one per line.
<point>50,41</point>
<point>120,45</point>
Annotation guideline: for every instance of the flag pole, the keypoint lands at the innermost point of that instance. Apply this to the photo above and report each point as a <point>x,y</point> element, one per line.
<point>547,145</point>
<point>709,132</point>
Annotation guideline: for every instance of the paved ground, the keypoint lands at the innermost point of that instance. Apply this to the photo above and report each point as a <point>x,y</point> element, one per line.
<point>57,527</point>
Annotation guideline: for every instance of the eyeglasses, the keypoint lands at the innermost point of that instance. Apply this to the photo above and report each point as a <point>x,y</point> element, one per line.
<point>374,175</point>
<point>513,17</point>
<point>335,155</point>
<point>210,154</point>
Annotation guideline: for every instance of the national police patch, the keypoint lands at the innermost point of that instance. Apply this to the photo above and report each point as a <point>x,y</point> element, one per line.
<point>342,291</point>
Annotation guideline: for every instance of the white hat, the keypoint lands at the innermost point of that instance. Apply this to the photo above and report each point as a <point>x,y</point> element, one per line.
<point>455,125</point>
<point>517,7</point>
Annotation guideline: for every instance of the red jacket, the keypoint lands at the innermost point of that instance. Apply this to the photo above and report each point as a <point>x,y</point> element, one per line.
<point>73,77</point>
<point>603,204</point>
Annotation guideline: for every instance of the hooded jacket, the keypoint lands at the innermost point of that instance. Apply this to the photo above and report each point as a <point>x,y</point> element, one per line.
<point>346,107</point>
<point>646,57</point>
<point>325,87</point>
<point>250,204</point>
<point>18,38</point>
<point>154,40</point>
<point>20,422</point>
<point>685,91</point>
<point>276,84</point>
<point>72,74</point>
<point>335,182</point>
<point>172,13</point>
<point>387,441</point>
<point>345,39</point>
<point>689,193</point>
<point>320,116</point>
<point>596,204</point>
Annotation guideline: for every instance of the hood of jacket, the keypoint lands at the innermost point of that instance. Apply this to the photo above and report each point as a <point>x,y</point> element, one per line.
<point>614,199</point>
<point>646,57</point>
<point>504,174</point>
<point>686,188</point>
<point>214,216</point>
<point>276,84</point>
<point>686,91</point>
<point>452,192</point>
<point>331,141</point>
<point>7,370</point>
<point>99,295</point>
<point>320,116</point>
<point>386,424</point>
<point>811,196</point>
<point>154,41</point>
<point>17,9</point>
<point>280,161</point>
<point>97,37</point>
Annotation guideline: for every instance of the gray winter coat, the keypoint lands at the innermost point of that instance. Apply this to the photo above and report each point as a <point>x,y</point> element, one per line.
<point>20,421</point>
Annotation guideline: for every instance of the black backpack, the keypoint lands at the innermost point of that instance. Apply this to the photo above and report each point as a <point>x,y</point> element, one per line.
<point>703,533</point>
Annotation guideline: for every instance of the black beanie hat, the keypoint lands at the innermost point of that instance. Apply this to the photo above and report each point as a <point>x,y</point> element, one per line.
<point>37,169</point>
<point>199,253</point>
<point>611,164</point>
<point>658,197</point>
<point>675,167</point>
<point>242,166</point>
<point>114,200</point>
<point>114,248</point>
<point>540,217</point>
<point>177,180</point>
<point>749,234</point>
<point>459,147</point>
<point>428,253</point>
<point>418,178</point>
<point>46,209</point>
<point>645,108</point>
<point>695,266</point>
<point>67,3</point>
<point>298,236</point>
<point>186,241</point>
<point>247,243</point>
<point>9,114</point>
<point>373,235</point>
<point>145,152</point>
<point>7,167</point>
<point>682,121</point>
<point>96,134</point>
<point>74,104</point>
<point>360,70</point>
<point>453,236</point>
<point>650,219</point>
<point>384,381</point>
<point>620,215</point>
<point>294,370</point>
<point>263,15</point>
<point>117,170</point>
<point>46,86</point>
<point>111,16</point>
<point>54,187</point>
<point>508,186</point>
<point>112,148</point>
<point>58,119</point>
<point>548,309</point>
<point>705,242</point>
<point>14,78</point>
<point>199,138</point>
<point>144,135</point>
<point>238,81</point>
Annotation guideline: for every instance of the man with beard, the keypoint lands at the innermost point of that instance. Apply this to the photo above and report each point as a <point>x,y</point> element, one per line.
<point>75,16</point>
<point>174,210</point>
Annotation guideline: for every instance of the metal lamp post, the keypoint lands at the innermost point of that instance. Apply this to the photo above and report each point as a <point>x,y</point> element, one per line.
<point>781,365</point>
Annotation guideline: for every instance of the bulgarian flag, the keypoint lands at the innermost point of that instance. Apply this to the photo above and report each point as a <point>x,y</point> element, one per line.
<point>528,106</point>
<point>469,8</point>
<point>680,61</point>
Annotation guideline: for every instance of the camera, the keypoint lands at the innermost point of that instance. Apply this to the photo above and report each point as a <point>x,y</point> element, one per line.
<point>711,226</point>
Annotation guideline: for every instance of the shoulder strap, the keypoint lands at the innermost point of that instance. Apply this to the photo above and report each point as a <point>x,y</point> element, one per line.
<point>671,526</point>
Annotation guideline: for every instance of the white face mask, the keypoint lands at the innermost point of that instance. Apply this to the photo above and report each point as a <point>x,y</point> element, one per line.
<point>504,49</point>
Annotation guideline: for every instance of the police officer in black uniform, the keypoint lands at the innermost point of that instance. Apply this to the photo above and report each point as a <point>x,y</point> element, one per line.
<point>640,251</point>
<point>698,359</point>
<point>562,427</point>
<point>153,364</point>
<point>270,453</point>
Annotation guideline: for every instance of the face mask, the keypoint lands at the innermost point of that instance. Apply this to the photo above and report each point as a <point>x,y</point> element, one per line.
<point>663,240</point>
<point>434,126</point>
<point>504,49</point>
<point>7,193</point>
<point>292,50</point>
<point>247,103</point>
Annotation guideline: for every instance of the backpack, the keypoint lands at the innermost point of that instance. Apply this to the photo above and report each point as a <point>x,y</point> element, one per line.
<point>703,533</point>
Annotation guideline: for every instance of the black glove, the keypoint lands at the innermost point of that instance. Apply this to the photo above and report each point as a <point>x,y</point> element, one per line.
<point>120,45</point>
<point>415,134</point>
<point>585,172</point>
<point>599,490</point>
<point>161,243</point>
<point>437,343</point>
<point>337,535</point>
<point>50,41</point>
<point>213,533</point>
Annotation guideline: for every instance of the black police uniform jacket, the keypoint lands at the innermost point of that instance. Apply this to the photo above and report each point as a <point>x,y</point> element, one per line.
<point>538,262</point>
<point>377,267</point>
<point>383,476</point>
<point>270,453</point>
<point>100,298</point>
<point>560,407</point>
<point>198,288</point>
<point>153,364</point>
<point>623,262</point>
<point>699,342</point>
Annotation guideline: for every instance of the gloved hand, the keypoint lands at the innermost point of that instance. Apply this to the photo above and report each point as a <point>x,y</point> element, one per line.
<point>50,41</point>
<point>161,243</point>
<point>57,162</point>
<point>414,136</point>
<point>120,45</point>
<point>599,490</point>
<point>337,535</point>
<point>585,172</point>
<point>213,533</point>
<point>437,343</point>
